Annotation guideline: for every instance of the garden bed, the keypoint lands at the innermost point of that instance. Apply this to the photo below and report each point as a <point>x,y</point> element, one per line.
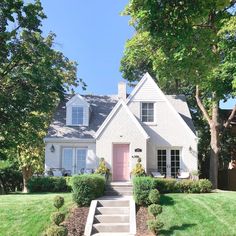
<point>76,221</point>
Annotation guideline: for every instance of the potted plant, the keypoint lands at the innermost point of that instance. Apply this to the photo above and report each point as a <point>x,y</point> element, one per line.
<point>138,170</point>
<point>102,169</point>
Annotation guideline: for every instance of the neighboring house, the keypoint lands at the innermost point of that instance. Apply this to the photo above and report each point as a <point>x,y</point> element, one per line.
<point>157,128</point>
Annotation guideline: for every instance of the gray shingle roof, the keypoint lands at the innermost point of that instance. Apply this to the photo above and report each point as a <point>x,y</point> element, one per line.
<point>101,106</point>
<point>180,104</point>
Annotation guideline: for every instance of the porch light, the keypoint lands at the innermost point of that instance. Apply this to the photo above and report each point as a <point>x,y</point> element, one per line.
<point>52,148</point>
<point>190,148</point>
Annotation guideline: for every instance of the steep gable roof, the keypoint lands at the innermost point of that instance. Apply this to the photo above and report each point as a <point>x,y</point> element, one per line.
<point>185,120</point>
<point>113,113</point>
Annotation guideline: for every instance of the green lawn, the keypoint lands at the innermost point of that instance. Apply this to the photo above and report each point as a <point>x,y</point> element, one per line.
<point>199,214</point>
<point>28,214</point>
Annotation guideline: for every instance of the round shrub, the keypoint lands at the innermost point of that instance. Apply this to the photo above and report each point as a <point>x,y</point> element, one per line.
<point>205,186</point>
<point>57,218</point>
<point>58,202</point>
<point>154,225</point>
<point>87,188</point>
<point>154,196</point>
<point>55,230</point>
<point>155,209</point>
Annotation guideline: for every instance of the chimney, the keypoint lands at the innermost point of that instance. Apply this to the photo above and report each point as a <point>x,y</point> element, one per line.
<point>122,90</point>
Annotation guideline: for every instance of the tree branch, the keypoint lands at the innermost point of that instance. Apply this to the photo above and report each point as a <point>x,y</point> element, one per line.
<point>201,106</point>
<point>230,118</point>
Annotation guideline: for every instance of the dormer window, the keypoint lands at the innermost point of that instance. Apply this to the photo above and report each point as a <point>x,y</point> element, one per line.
<point>77,116</point>
<point>147,112</point>
<point>77,111</point>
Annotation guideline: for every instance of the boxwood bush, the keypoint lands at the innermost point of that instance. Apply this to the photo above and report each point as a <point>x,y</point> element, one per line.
<point>141,188</point>
<point>48,184</point>
<point>86,188</point>
<point>143,185</point>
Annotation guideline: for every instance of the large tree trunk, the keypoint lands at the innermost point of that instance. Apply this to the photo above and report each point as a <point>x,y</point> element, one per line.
<point>27,173</point>
<point>215,145</point>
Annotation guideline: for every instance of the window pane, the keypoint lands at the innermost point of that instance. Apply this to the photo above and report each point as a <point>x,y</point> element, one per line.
<point>81,159</point>
<point>77,115</point>
<point>67,158</point>
<point>147,112</point>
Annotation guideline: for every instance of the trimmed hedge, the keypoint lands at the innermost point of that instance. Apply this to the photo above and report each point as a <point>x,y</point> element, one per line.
<point>10,179</point>
<point>86,188</point>
<point>48,184</point>
<point>143,185</point>
<point>141,188</point>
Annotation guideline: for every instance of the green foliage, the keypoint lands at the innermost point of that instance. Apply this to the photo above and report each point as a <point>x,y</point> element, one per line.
<point>57,217</point>
<point>154,225</point>
<point>146,189</point>
<point>36,76</point>
<point>48,184</point>
<point>87,187</point>
<point>141,188</point>
<point>58,202</point>
<point>55,230</point>
<point>154,209</point>
<point>102,168</point>
<point>165,185</point>
<point>178,38</point>
<point>10,179</point>
<point>205,185</point>
<point>154,196</point>
<point>138,170</point>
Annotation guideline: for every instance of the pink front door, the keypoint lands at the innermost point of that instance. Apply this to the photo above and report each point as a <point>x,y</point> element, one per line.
<point>121,162</point>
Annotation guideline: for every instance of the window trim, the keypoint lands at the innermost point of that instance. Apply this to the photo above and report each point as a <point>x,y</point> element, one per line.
<point>141,115</point>
<point>83,109</point>
<point>74,157</point>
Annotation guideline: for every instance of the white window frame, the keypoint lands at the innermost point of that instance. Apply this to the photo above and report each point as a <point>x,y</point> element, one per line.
<point>63,156</point>
<point>168,158</point>
<point>141,112</point>
<point>83,110</point>
<point>74,158</point>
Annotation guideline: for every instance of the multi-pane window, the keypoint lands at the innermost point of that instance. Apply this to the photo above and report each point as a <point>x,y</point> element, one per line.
<point>175,162</point>
<point>161,161</point>
<point>81,159</point>
<point>147,112</point>
<point>67,159</point>
<point>74,159</point>
<point>77,115</point>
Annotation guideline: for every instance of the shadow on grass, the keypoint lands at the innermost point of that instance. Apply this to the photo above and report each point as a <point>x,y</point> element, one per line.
<point>166,200</point>
<point>172,229</point>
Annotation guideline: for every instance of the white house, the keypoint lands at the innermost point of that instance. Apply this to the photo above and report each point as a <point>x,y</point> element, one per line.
<point>148,124</point>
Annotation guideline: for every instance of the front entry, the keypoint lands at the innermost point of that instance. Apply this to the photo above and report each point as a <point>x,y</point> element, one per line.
<point>121,162</point>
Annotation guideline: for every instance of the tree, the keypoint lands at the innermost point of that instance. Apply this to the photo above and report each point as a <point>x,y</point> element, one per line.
<point>33,77</point>
<point>187,43</point>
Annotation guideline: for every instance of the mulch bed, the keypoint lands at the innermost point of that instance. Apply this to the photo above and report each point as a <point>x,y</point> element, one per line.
<point>76,221</point>
<point>141,221</point>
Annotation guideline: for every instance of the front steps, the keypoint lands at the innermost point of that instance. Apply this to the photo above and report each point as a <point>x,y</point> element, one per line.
<point>112,217</point>
<point>119,189</point>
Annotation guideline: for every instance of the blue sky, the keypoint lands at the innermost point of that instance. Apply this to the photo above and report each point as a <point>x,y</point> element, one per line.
<point>93,34</point>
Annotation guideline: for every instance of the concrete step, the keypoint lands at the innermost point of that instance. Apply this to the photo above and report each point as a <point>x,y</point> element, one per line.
<point>111,219</point>
<point>112,203</point>
<point>120,184</point>
<point>112,234</point>
<point>118,193</point>
<point>112,211</point>
<point>111,227</point>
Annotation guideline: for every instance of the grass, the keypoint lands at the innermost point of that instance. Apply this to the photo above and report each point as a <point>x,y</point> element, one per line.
<point>28,214</point>
<point>199,214</point>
